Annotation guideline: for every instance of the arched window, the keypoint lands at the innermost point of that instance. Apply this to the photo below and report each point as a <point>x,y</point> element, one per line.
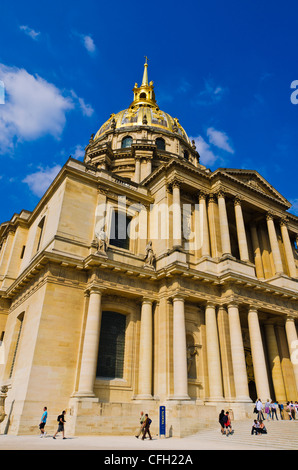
<point>143,95</point>
<point>186,154</point>
<point>160,143</point>
<point>110,363</point>
<point>126,142</point>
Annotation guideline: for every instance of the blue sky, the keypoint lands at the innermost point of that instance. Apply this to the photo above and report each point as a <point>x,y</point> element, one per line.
<point>224,68</point>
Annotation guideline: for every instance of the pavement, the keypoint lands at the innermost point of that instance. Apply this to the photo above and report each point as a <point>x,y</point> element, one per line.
<point>282,435</point>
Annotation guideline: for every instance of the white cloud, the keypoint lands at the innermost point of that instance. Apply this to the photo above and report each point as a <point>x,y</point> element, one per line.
<point>30,32</point>
<point>89,43</point>
<point>39,181</point>
<point>219,139</point>
<point>86,108</point>
<point>214,150</point>
<point>33,108</point>
<point>79,152</point>
<point>211,94</point>
<point>207,156</point>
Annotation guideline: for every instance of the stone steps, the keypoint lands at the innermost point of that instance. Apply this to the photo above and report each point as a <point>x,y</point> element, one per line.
<point>282,435</point>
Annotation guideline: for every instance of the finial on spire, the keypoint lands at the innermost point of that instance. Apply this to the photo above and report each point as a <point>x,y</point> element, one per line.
<point>145,75</point>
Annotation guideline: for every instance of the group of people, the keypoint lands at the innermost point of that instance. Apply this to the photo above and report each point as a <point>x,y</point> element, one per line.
<point>225,423</point>
<point>43,422</point>
<point>144,427</point>
<point>258,427</point>
<point>271,407</point>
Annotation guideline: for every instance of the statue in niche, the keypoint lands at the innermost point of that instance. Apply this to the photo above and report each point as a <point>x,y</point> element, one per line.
<point>102,241</point>
<point>3,395</point>
<point>150,257</point>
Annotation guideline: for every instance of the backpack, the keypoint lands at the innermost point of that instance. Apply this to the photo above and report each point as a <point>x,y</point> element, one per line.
<point>149,421</point>
<point>58,418</point>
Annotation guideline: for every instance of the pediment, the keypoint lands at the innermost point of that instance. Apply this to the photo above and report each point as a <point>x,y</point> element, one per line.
<point>256,182</point>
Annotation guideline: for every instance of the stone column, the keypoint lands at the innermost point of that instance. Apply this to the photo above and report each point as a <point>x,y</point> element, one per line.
<point>242,241</point>
<point>275,362</point>
<point>291,333</point>
<point>177,233</point>
<point>224,225</point>
<point>137,170</point>
<point>257,252</point>
<point>258,356</point>
<point>145,356</point>
<point>288,249</point>
<point>238,355</point>
<point>274,245</point>
<point>90,345</point>
<point>179,350</point>
<point>204,231</point>
<point>215,242</point>
<point>213,354</point>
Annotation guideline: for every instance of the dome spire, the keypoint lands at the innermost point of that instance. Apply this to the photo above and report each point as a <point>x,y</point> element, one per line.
<point>144,95</point>
<point>145,74</point>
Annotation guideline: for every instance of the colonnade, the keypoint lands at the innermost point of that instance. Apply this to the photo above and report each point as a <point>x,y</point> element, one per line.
<point>207,237</point>
<point>213,352</point>
<point>261,374</point>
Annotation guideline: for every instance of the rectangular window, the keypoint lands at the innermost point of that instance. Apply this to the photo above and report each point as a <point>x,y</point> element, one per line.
<point>111,346</point>
<point>23,251</point>
<point>19,330</point>
<point>119,234</point>
<point>39,232</point>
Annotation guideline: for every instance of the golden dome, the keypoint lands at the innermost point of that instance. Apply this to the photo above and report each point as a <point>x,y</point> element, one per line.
<point>143,111</point>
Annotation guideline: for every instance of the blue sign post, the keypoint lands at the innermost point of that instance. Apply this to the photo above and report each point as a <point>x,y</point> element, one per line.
<point>162,421</point>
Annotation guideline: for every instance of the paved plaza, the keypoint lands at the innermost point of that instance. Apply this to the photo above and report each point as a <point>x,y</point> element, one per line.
<point>282,435</point>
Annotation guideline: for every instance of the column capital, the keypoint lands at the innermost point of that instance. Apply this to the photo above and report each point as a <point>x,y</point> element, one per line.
<point>211,198</point>
<point>203,195</point>
<point>238,201</point>
<point>270,215</point>
<point>232,303</point>
<point>178,296</point>
<point>252,308</point>
<point>284,221</point>
<point>211,304</point>
<point>290,317</point>
<point>221,193</point>
<point>176,183</point>
<point>95,290</point>
<point>146,300</point>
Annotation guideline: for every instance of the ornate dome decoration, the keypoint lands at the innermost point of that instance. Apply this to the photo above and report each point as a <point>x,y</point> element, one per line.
<point>143,111</point>
<point>136,141</point>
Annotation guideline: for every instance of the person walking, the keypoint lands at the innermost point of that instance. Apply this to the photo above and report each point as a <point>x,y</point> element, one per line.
<point>296,408</point>
<point>292,408</point>
<point>281,409</point>
<point>228,425</point>
<point>142,419</point>
<point>146,427</point>
<point>43,422</point>
<point>273,411</point>
<point>267,409</point>
<point>221,420</point>
<point>61,422</point>
<point>259,407</point>
<point>288,410</point>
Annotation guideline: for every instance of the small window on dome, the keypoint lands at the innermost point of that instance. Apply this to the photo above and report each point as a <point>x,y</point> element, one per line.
<point>160,143</point>
<point>143,95</point>
<point>126,142</point>
<point>186,154</point>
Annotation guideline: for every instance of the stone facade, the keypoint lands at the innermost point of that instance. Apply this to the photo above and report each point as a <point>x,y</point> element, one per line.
<point>193,306</point>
